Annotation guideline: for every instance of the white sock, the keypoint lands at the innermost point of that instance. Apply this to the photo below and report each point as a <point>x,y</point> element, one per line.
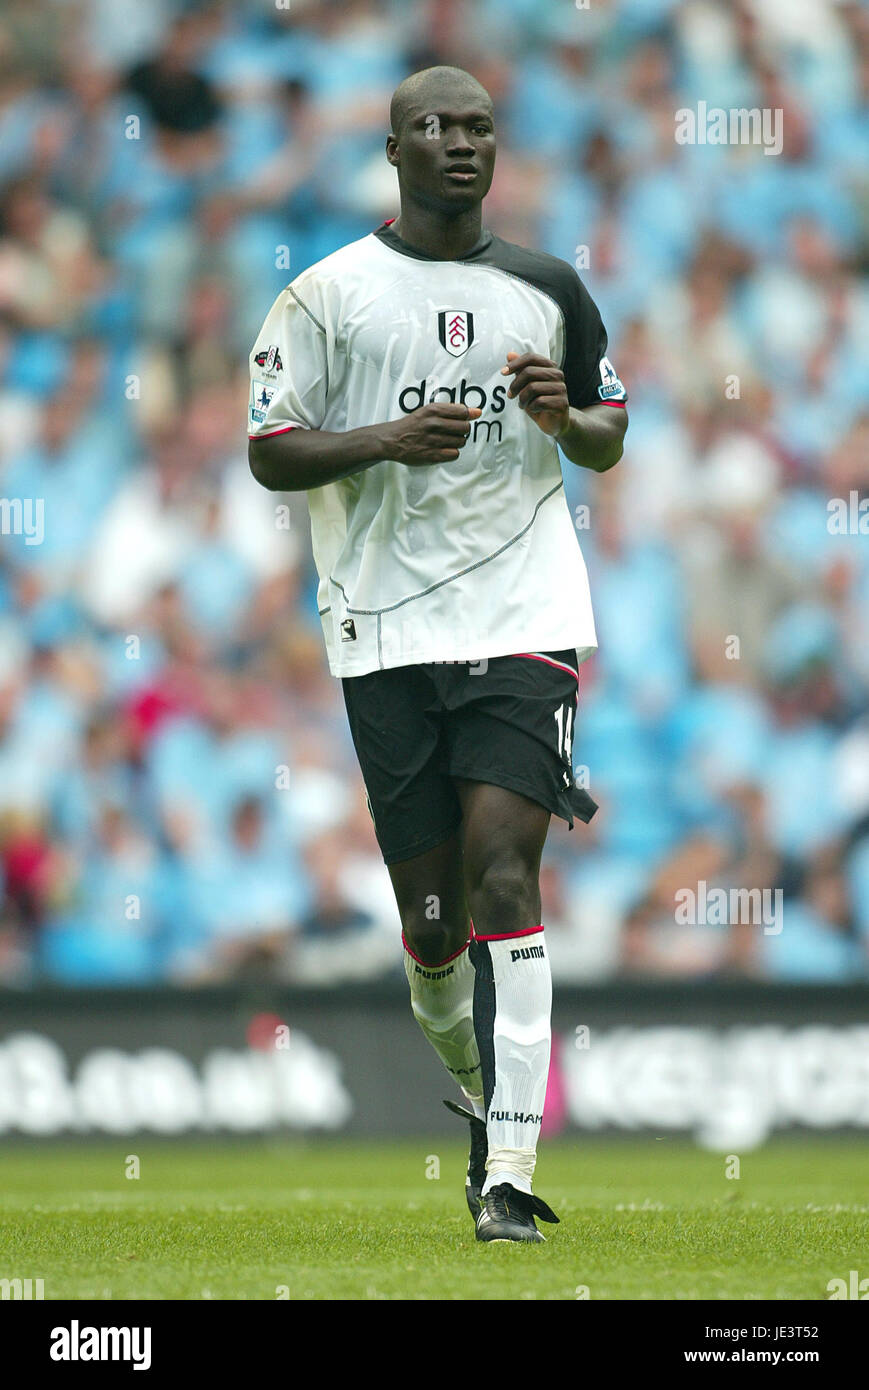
<point>442,998</point>
<point>512,1011</point>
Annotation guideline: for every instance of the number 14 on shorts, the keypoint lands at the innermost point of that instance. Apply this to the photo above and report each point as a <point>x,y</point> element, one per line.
<point>564,721</point>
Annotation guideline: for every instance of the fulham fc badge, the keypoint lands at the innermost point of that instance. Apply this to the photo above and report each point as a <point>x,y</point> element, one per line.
<point>455,330</point>
<point>269,359</point>
<point>348,630</point>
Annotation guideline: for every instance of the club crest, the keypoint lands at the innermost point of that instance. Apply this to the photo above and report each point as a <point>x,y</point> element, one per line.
<point>455,330</point>
<point>269,358</point>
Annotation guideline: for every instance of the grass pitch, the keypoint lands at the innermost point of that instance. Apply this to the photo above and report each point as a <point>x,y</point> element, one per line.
<point>334,1220</point>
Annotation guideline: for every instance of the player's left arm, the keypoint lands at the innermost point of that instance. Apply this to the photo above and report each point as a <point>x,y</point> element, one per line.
<point>581,403</point>
<point>591,437</point>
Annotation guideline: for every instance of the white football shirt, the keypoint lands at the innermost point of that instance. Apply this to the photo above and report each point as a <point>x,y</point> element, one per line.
<point>454,561</point>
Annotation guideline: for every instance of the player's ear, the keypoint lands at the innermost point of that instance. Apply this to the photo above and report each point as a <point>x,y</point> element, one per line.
<point>392,150</point>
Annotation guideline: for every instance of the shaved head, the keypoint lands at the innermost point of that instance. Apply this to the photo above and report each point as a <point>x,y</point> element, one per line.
<point>422,92</point>
<point>442,146</point>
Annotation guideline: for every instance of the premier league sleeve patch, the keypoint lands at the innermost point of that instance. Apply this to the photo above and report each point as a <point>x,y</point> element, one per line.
<point>260,399</point>
<point>610,389</point>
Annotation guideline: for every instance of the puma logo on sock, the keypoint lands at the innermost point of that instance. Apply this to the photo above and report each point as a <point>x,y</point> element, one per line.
<point>527,953</point>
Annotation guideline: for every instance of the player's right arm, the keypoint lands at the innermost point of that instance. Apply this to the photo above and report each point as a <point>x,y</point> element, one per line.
<point>294,367</point>
<point>297,458</point>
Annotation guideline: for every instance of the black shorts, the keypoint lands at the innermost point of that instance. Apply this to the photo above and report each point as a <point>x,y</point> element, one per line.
<point>507,721</point>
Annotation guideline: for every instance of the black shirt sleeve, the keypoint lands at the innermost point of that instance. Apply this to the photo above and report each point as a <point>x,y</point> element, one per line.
<point>589,376</point>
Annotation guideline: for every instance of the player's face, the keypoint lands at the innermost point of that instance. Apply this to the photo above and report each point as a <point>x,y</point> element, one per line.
<point>445,156</point>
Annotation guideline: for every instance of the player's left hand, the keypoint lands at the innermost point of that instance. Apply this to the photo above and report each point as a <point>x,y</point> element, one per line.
<point>540,389</point>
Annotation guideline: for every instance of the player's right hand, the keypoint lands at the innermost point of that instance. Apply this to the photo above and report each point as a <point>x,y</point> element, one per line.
<point>432,434</point>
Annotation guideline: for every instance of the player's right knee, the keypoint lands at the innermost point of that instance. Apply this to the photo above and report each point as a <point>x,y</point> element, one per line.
<point>433,941</point>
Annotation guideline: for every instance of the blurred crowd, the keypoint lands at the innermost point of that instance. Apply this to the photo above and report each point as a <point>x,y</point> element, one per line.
<point>179,797</point>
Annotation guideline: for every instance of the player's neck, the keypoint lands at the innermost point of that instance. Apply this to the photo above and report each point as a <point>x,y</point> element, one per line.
<point>445,238</point>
